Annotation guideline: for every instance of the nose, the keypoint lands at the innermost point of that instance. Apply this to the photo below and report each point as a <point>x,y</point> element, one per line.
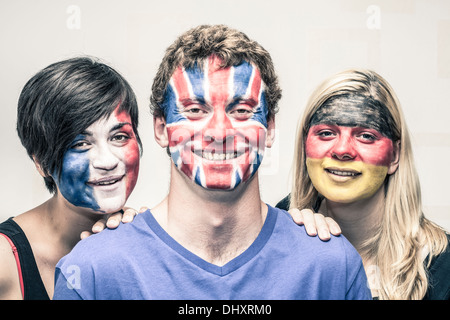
<point>219,128</point>
<point>103,158</point>
<point>343,149</point>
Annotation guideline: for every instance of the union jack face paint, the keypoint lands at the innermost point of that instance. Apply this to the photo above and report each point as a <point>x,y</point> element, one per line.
<point>101,166</point>
<point>349,149</point>
<point>216,122</point>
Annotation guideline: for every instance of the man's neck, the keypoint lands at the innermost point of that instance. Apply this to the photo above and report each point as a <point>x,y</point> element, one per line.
<point>215,225</point>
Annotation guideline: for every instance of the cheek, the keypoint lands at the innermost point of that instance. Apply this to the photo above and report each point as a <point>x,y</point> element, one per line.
<point>379,153</point>
<point>253,134</point>
<point>314,168</point>
<point>72,181</point>
<point>316,148</point>
<point>179,134</point>
<point>75,169</point>
<point>132,160</point>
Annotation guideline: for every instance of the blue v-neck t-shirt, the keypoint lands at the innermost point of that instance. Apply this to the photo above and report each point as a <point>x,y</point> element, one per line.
<point>140,260</point>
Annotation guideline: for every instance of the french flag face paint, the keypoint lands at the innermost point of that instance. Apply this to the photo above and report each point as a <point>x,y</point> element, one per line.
<point>216,122</point>
<point>348,150</point>
<point>101,166</point>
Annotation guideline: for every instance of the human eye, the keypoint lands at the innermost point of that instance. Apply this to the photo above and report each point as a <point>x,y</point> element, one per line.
<point>241,111</point>
<point>195,111</point>
<point>326,134</point>
<point>120,137</point>
<point>367,137</point>
<point>80,145</point>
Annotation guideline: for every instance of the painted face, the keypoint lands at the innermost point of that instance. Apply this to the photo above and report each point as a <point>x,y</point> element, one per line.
<point>216,122</point>
<point>349,148</point>
<point>101,166</point>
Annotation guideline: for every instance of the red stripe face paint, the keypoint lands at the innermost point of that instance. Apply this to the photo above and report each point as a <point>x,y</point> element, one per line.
<point>101,166</point>
<point>131,153</point>
<point>216,121</point>
<point>348,150</point>
<point>344,143</point>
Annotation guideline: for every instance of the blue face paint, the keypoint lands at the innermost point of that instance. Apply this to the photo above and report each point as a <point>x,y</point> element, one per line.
<point>260,113</point>
<point>74,175</point>
<point>170,107</point>
<point>242,76</point>
<point>197,78</point>
<point>197,101</point>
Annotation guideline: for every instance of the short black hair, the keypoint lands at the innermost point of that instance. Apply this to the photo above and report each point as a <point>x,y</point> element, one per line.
<point>64,99</point>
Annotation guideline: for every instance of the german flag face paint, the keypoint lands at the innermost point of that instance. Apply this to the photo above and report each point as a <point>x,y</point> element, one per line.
<point>101,166</point>
<point>216,123</point>
<point>349,148</point>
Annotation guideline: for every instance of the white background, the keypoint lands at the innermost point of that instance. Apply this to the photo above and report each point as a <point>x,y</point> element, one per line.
<point>406,41</point>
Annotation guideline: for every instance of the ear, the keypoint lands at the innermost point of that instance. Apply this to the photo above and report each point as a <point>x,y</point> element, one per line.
<point>393,166</point>
<point>160,130</point>
<point>270,135</point>
<point>38,167</point>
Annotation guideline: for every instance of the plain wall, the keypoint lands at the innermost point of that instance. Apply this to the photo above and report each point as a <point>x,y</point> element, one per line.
<point>406,41</point>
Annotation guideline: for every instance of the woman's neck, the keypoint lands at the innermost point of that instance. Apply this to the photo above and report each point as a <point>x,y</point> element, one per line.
<point>358,220</point>
<point>56,224</point>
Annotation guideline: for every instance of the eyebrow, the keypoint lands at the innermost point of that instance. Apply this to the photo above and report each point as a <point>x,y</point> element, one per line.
<point>238,100</point>
<point>193,100</point>
<point>252,102</point>
<point>115,127</point>
<point>120,125</point>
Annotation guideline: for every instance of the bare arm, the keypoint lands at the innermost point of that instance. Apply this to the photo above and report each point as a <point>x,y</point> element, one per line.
<point>9,275</point>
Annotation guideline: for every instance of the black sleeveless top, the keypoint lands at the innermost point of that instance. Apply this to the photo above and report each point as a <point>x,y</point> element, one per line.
<point>34,288</point>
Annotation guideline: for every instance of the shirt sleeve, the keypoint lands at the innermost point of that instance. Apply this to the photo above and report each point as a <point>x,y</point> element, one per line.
<point>66,288</point>
<point>357,284</point>
<point>359,287</point>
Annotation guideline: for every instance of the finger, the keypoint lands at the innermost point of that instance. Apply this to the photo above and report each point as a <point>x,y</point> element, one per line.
<point>114,220</point>
<point>129,215</point>
<point>142,209</point>
<point>296,216</point>
<point>99,226</point>
<point>309,222</point>
<point>85,234</point>
<point>322,227</point>
<point>333,226</point>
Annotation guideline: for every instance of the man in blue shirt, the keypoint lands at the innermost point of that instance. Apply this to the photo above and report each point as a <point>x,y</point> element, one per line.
<point>214,101</point>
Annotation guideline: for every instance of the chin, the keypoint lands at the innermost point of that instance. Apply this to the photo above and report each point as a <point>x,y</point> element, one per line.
<point>109,206</point>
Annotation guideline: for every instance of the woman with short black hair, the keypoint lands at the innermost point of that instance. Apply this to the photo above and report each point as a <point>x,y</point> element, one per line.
<point>78,121</point>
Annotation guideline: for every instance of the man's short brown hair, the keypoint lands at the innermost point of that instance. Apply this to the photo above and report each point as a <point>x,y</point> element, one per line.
<point>231,46</point>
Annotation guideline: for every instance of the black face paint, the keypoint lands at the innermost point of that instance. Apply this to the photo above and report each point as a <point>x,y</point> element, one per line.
<point>351,110</point>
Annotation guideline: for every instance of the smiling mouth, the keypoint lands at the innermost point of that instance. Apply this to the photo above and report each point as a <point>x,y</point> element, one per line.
<point>218,156</point>
<point>343,173</point>
<point>106,181</point>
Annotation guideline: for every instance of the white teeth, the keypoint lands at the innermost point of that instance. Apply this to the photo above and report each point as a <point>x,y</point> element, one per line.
<point>106,182</point>
<point>213,156</point>
<point>343,173</point>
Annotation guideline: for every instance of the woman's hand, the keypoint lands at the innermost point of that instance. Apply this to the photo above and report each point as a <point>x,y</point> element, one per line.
<point>113,221</point>
<point>315,223</point>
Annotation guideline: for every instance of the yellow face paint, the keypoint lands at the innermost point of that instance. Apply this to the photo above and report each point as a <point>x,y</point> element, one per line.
<point>345,181</point>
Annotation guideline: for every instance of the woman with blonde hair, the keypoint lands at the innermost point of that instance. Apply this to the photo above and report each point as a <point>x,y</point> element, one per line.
<point>353,162</point>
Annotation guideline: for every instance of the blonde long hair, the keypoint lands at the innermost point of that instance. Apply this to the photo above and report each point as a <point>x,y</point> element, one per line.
<point>397,246</point>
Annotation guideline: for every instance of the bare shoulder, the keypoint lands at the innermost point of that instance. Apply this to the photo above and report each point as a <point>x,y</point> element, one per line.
<point>9,275</point>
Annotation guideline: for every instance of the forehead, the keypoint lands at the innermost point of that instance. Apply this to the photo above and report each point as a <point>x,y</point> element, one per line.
<point>110,121</point>
<point>209,78</point>
<point>355,111</point>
